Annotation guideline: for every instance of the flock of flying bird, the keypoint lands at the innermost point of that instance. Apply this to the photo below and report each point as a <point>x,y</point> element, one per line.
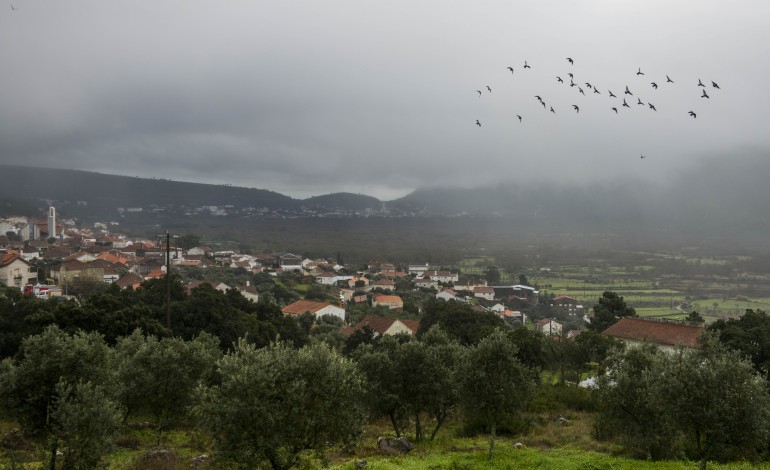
<point>595,90</point>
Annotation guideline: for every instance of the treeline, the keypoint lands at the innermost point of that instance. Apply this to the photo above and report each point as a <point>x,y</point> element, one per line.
<point>277,404</point>
<point>114,312</point>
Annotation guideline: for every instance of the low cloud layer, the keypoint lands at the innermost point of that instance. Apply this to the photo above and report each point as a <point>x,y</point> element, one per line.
<point>310,98</point>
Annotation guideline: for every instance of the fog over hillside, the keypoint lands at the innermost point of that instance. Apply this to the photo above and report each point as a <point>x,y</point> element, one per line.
<point>715,197</point>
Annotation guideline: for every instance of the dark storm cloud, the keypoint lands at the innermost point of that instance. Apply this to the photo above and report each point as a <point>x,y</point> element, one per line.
<point>314,97</point>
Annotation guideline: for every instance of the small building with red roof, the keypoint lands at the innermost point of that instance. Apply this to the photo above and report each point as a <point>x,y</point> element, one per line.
<point>663,333</point>
<point>393,302</point>
<point>314,308</point>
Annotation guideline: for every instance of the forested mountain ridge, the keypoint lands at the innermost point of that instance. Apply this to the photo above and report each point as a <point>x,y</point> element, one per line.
<point>719,197</point>
<point>109,191</point>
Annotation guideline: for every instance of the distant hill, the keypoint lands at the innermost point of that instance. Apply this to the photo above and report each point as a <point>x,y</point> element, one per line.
<point>719,196</point>
<point>110,191</point>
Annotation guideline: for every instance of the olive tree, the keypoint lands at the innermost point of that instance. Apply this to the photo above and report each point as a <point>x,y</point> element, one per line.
<point>49,363</point>
<point>85,421</point>
<point>380,365</point>
<point>271,404</point>
<point>410,377</point>
<point>627,408</point>
<point>495,383</point>
<point>718,402</point>
<point>708,403</point>
<point>158,376</point>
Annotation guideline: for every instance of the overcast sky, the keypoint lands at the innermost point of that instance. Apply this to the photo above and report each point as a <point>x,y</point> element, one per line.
<point>379,97</point>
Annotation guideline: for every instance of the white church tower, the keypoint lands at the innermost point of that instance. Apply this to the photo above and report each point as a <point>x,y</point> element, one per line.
<point>52,222</point>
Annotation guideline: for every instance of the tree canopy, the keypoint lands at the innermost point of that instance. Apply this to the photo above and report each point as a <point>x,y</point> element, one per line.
<point>707,403</point>
<point>608,310</point>
<point>273,403</point>
<point>459,321</point>
<point>495,384</point>
<point>749,335</point>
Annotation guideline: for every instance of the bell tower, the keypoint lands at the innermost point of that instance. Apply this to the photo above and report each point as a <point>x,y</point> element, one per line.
<point>52,222</point>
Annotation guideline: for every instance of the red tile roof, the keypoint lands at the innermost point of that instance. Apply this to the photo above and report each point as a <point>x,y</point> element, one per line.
<point>388,299</point>
<point>110,258</point>
<point>301,306</point>
<point>129,279</point>
<point>9,258</point>
<point>155,273</point>
<point>660,332</point>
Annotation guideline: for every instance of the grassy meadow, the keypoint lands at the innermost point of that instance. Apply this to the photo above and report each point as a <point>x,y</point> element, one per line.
<point>548,443</point>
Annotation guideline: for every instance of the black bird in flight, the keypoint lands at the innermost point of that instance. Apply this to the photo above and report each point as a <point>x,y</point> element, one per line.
<point>569,59</point>
<point>588,85</point>
<point>639,101</point>
<point>559,79</point>
<point>581,91</point>
<point>713,83</point>
<point>543,103</point>
<point>640,71</point>
<point>553,110</point>
<point>691,113</point>
<point>518,117</point>
<point>478,123</point>
<point>490,90</point>
<point>611,94</point>
<point>652,107</point>
<point>479,92</point>
<point>704,95</point>
<point>700,83</point>
<point>596,90</point>
<point>13,8</point>
<point>526,66</point>
<point>539,98</point>
<point>625,104</point>
<point>615,109</point>
<point>511,69</point>
<point>668,80</point>
<point>628,92</point>
<point>571,83</point>
<point>654,85</point>
<point>642,155</point>
<point>577,110</point>
<point>570,75</point>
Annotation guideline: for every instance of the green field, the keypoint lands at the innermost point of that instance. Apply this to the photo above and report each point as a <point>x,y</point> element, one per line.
<point>729,307</point>
<point>657,312</point>
<point>654,287</point>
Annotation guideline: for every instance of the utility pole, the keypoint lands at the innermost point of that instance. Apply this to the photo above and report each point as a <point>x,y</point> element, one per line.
<point>168,280</point>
